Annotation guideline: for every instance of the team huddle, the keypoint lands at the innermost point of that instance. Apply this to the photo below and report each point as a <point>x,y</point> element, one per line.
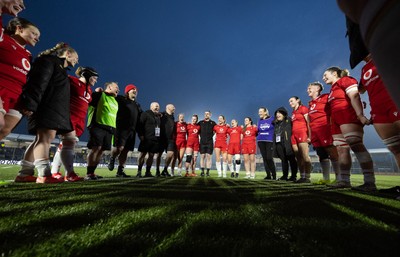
<point>56,103</point>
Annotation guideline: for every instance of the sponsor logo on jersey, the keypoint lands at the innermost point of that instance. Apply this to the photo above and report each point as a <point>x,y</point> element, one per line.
<point>26,64</point>
<point>20,70</point>
<point>312,107</point>
<point>195,131</point>
<point>265,126</point>
<point>247,133</point>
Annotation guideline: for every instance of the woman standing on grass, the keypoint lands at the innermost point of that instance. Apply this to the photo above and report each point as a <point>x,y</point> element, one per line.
<point>301,138</point>
<point>283,144</point>
<point>347,127</point>
<point>81,95</point>
<point>264,141</point>
<point>235,133</point>
<point>192,146</point>
<point>180,142</point>
<point>321,136</point>
<point>46,101</point>
<point>221,146</point>
<point>249,147</point>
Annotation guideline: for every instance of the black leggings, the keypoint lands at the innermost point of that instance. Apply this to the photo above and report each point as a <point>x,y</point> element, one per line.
<point>266,149</point>
<point>286,161</point>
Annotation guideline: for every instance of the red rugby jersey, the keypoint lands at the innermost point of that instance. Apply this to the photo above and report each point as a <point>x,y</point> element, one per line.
<point>81,96</point>
<point>378,95</point>
<point>338,98</point>
<point>318,111</point>
<point>15,62</point>
<point>298,119</point>
<point>234,134</point>
<point>221,132</point>
<point>193,131</point>
<point>249,134</point>
<point>181,130</point>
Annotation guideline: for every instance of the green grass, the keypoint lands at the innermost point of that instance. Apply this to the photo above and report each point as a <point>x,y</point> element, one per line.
<point>195,217</point>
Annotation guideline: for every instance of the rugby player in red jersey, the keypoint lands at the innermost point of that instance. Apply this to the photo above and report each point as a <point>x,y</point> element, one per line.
<point>300,138</point>
<point>348,119</point>
<point>221,146</point>
<point>235,134</point>
<point>249,147</point>
<point>180,142</point>
<point>15,63</point>
<point>81,95</point>
<point>192,145</point>
<point>385,116</point>
<point>321,136</point>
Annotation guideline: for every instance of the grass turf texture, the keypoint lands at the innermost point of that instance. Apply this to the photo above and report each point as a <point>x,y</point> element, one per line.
<point>195,217</point>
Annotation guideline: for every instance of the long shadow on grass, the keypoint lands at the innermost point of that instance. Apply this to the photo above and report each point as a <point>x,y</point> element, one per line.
<point>214,217</point>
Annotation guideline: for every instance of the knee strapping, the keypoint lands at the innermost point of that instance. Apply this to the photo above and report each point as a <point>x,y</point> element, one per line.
<point>392,141</point>
<point>189,158</point>
<point>340,142</point>
<point>353,138</point>
<point>237,159</point>
<point>67,139</point>
<point>393,144</point>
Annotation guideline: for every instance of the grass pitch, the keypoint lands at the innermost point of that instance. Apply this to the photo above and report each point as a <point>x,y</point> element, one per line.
<point>196,217</point>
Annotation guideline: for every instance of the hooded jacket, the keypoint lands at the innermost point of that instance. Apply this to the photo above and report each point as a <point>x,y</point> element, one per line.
<point>284,130</point>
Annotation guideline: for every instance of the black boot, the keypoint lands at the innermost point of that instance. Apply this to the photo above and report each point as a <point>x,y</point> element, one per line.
<point>121,173</point>
<point>111,164</point>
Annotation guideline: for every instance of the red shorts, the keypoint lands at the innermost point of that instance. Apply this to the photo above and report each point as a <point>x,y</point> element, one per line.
<point>299,136</point>
<point>234,148</point>
<point>338,118</point>
<point>78,124</point>
<point>9,98</point>
<point>222,145</point>
<point>193,144</point>
<point>321,136</point>
<point>388,114</point>
<point>180,143</point>
<point>249,148</point>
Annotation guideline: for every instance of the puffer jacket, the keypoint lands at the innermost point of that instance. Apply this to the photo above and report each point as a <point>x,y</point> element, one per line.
<point>47,95</point>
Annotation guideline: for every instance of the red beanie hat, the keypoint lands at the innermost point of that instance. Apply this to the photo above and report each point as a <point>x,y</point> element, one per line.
<point>129,88</point>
